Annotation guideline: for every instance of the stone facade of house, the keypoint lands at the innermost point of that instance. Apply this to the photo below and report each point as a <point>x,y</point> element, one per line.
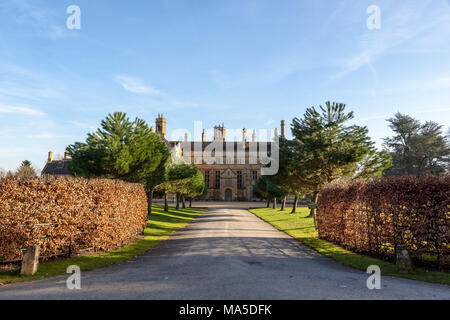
<point>230,169</point>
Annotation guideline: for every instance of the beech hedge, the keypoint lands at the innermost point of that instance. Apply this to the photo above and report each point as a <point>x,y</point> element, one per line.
<point>372,217</point>
<point>68,215</point>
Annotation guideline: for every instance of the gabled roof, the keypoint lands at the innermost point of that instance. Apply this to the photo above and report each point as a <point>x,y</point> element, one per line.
<point>228,173</point>
<point>57,167</point>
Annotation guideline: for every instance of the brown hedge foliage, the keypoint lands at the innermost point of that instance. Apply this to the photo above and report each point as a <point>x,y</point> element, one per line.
<point>372,217</point>
<point>68,213</point>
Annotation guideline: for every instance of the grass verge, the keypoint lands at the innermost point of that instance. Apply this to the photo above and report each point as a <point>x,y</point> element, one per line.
<point>302,229</point>
<point>159,227</point>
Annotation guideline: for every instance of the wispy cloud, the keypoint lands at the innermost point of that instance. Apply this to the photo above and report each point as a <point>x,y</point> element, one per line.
<point>266,73</point>
<point>30,91</point>
<point>20,110</point>
<point>12,152</point>
<point>42,19</point>
<point>386,116</point>
<point>82,125</point>
<point>18,83</point>
<point>136,85</point>
<point>49,136</point>
<point>410,22</point>
<point>432,83</point>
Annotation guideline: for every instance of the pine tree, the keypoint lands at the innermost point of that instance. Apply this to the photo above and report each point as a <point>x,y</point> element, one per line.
<point>416,148</point>
<point>327,149</point>
<point>25,171</point>
<point>122,149</point>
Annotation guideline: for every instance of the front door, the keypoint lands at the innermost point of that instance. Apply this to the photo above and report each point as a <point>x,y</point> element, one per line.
<point>228,195</point>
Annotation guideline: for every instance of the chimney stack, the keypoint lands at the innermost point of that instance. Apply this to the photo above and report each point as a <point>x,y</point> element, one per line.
<point>203,136</point>
<point>66,155</point>
<point>186,137</point>
<point>276,132</point>
<point>161,124</point>
<point>283,133</point>
<point>219,133</point>
<point>50,156</point>
<point>254,136</point>
<point>244,135</point>
<point>223,131</point>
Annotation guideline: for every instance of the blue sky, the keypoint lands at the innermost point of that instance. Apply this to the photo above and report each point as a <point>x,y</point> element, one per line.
<point>247,63</point>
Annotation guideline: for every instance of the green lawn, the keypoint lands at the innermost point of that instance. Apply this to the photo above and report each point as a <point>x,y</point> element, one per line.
<point>160,225</point>
<point>302,229</point>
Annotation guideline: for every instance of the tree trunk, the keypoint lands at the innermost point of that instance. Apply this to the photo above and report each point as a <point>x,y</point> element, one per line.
<point>294,207</point>
<point>312,213</point>
<point>274,203</point>
<point>166,202</point>
<point>178,202</point>
<point>149,202</point>
<point>283,204</point>
<point>184,202</point>
<point>190,203</point>
<point>268,203</point>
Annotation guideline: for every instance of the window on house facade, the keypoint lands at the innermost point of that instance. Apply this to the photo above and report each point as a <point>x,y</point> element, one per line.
<point>255,175</point>
<point>239,180</point>
<point>217,184</point>
<point>207,179</point>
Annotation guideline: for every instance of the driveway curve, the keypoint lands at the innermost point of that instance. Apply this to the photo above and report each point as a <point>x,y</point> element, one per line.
<point>226,253</point>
